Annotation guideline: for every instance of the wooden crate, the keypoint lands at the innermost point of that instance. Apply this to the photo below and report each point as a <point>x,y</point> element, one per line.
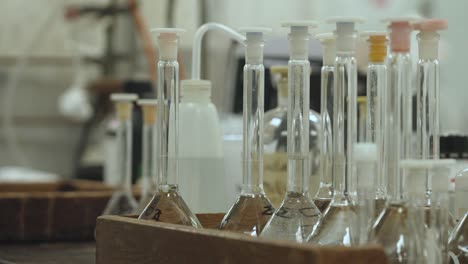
<point>65,210</point>
<point>123,240</point>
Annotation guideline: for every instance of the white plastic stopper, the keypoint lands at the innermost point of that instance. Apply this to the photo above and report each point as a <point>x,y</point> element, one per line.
<point>328,42</point>
<point>254,43</point>
<point>167,40</point>
<point>345,32</point>
<point>428,38</point>
<point>123,97</point>
<point>299,38</point>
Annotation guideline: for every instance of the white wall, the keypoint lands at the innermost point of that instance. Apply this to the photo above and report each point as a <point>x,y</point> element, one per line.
<point>453,59</point>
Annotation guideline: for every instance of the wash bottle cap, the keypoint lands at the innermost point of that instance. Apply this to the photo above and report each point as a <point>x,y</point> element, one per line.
<point>299,38</point>
<point>195,87</point>
<point>328,42</point>
<point>377,45</point>
<point>167,39</point>
<point>124,104</point>
<point>254,43</point>
<point>345,32</point>
<point>400,33</point>
<point>428,38</point>
<point>149,108</point>
<point>365,152</point>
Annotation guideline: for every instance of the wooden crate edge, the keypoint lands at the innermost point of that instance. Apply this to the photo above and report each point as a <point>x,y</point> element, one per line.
<point>186,244</point>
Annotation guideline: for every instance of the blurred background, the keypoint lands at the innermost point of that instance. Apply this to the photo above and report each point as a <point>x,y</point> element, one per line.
<point>59,60</point>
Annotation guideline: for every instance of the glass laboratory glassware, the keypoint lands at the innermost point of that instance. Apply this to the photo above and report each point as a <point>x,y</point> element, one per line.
<point>458,242</point>
<point>438,216</point>
<point>324,194</point>
<point>148,157</point>
<point>458,239</point>
<point>275,157</point>
<point>376,88</point>
<point>397,122</point>
<point>252,210</point>
<point>361,119</point>
<point>365,155</point>
<point>297,214</point>
<point>338,224</point>
<point>427,114</point>
<point>122,201</point>
<point>167,204</point>
<point>398,228</point>
<point>461,194</point>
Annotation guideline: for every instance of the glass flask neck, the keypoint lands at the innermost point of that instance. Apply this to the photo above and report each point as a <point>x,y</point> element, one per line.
<point>124,138</point>
<point>325,136</point>
<point>149,160</point>
<point>167,118</point>
<point>253,111</point>
<point>344,120</point>
<point>398,120</point>
<point>282,93</point>
<point>427,113</point>
<point>298,126</point>
<point>376,90</point>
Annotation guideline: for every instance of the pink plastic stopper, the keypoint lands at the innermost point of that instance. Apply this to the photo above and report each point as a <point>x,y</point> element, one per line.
<point>431,25</point>
<point>400,36</point>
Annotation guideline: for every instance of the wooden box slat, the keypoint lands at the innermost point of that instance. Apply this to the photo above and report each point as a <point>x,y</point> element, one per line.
<point>65,210</point>
<point>123,240</point>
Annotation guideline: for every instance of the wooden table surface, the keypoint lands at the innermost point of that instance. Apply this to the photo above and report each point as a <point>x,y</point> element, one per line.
<point>45,253</point>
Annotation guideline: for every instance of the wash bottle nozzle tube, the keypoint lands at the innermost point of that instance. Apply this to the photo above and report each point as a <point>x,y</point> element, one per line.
<point>168,103</point>
<point>298,106</point>
<point>427,113</point>
<point>325,191</point>
<point>345,104</point>
<point>377,72</point>
<point>198,40</point>
<point>254,82</point>
<point>398,119</point>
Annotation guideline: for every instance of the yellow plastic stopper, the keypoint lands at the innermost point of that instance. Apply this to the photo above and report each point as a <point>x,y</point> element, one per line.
<point>149,114</point>
<point>377,48</point>
<point>124,110</point>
